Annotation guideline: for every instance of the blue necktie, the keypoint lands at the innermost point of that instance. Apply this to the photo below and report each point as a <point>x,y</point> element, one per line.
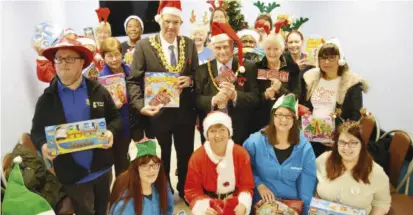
<point>172,55</point>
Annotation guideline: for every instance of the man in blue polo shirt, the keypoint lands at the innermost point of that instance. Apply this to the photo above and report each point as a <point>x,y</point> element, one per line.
<point>86,175</point>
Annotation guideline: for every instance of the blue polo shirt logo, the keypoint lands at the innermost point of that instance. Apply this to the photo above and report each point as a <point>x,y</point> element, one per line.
<point>87,102</point>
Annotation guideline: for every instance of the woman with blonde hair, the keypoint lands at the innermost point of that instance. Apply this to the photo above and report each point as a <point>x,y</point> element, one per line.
<point>270,89</point>
<point>102,31</point>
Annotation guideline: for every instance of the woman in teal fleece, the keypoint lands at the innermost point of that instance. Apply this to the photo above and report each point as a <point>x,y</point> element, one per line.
<point>282,159</point>
<point>143,188</point>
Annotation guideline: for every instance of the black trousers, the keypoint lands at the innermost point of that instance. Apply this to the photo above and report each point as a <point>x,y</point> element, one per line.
<point>91,198</point>
<point>120,152</point>
<point>178,124</point>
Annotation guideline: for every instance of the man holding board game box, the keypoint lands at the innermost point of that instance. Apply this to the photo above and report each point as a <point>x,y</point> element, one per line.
<point>86,174</point>
<point>169,58</point>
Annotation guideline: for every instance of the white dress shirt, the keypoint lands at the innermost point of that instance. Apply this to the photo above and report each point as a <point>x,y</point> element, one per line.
<point>165,47</point>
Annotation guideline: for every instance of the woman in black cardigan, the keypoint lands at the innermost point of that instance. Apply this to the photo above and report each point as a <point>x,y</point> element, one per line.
<point>331,86</point>
<point>270,90</point>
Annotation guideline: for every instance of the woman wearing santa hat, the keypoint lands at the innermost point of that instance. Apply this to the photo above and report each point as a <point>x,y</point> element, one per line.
<point>134,29</point>
<point>332,89</point>
<point>282,159</point>
<point>143,188</point>
<point>219,171</point>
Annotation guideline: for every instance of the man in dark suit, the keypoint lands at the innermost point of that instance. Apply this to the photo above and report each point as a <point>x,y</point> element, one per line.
<point>168,52</point>
<point>237,96</point>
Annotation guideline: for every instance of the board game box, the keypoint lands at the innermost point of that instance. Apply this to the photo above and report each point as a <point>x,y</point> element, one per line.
<point>323,207</point>
<point>279,207</point>
<point>73,137</point>
<point>161,89</point>
<point>318,129</point>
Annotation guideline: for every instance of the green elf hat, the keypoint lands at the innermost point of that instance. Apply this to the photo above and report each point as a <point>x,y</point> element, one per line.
<point>146,147</point>
<point>287,101</point>
<point>19,200</point>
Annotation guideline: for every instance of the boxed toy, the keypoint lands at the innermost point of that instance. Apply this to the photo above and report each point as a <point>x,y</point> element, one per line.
<point>323,207</point>
<point>318,129</point>
<point>279,207</point>
<point>78,136</point>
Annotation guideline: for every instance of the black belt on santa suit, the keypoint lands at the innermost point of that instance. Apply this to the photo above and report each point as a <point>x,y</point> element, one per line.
<point>217,196</point>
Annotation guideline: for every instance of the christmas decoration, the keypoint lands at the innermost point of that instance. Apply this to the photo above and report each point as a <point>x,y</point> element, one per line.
<point>236,18</point>
<point>266,9</point>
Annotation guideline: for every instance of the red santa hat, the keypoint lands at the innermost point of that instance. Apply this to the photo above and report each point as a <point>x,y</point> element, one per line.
<point>169,7</point>
<point>217,117</point>
<point>249,32</point>
<point>222,32</point>
<point>133,17</point>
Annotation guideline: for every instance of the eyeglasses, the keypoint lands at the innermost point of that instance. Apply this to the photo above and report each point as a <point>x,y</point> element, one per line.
<point>60,60</point>
<point>330,58</point>
<point>282,116</point>
<point>352,144</point>
<point>113,56</point>
<point>146,167</point>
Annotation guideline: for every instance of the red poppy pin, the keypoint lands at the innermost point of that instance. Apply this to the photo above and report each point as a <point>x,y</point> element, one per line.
<point>241,81</point>
<point>226,184</point>
<point>190,62</point>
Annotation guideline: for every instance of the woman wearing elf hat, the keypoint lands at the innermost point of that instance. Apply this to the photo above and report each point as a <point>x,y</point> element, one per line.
<point>227,83</point>
<point>332,86</point>
<point>143,189</point>
<point>283,162</point>
<point>219,171</point>
<point>134,29</point>
<point>272,88</point>
<point>19,200</point>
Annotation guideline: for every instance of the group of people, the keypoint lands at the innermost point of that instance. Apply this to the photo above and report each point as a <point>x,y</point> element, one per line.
<point>252,149</point>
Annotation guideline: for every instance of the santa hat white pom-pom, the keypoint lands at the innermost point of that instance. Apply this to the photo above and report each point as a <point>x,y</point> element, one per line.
<point>158,18</point>
<point>241,69</point>
<point>18,160</point>
<point>341,62</point>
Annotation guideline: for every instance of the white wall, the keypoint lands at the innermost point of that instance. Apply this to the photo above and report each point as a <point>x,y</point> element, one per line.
<point>374,36</point>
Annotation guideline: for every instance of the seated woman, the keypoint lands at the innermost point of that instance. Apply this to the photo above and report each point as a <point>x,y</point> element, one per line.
<point>330,87</point>
<point>219,170</point>
<point>270,89</point>
<point>283,162</point>
<point>348,175</point>
<point>143,188</point>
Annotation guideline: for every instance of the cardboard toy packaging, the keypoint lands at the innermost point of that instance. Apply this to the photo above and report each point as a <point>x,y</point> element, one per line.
<point>323,207</point>
<point>79,136</point>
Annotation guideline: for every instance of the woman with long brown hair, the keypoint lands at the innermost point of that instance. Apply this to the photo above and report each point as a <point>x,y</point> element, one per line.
<point>282,160</point>
<point>348,175</point>
<point>143,188</point>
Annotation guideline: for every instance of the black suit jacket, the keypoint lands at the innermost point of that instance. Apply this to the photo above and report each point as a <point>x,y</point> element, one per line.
<point>247,96</point>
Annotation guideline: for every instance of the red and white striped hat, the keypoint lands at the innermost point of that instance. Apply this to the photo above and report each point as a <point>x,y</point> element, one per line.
<point>169,7</point>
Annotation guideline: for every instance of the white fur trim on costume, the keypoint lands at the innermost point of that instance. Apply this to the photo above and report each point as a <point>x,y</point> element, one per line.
<point>246,199</point>
<point>133,17</point>
<point>86,41</point>
<point>18,160</point>
<point>225,168</point>
<point>217,118</point>
<point>200,207</point>
<point>249,32</point>
<point>168,10</point>
<point>241,69</point>
<point>219,38</point>
<point>51,212</point>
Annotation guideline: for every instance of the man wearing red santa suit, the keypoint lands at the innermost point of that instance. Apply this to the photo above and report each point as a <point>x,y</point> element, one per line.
<point>219,170</point>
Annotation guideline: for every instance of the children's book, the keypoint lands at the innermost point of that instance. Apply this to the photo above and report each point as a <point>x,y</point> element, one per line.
<point>311,47</point>
<point>116,85</point>
<point>161,89</point>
